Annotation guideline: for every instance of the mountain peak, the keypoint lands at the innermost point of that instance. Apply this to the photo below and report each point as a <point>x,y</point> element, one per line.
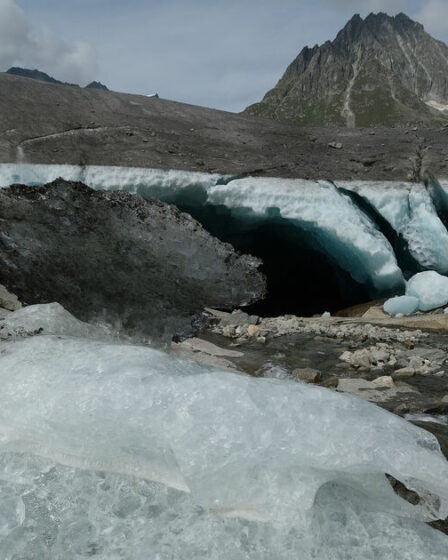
<point>379,70</point>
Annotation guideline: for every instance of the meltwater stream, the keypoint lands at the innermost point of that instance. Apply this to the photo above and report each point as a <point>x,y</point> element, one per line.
<point>324,245</point>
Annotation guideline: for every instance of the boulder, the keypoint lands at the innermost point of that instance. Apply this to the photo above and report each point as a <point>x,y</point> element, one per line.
<point>9,301</point>
<point>139,264</point>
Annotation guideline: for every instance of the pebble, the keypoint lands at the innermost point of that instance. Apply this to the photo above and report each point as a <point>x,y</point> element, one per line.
<point>252,330</point>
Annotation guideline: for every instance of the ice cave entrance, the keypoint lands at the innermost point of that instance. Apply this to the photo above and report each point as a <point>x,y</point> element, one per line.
<point>325,246</point>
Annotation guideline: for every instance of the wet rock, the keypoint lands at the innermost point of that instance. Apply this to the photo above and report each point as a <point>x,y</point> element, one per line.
<point>335,145</point>
<point>384,381</point>
<point>370,391</point>
<point>253,330</point>
<point>8,300</point>
<point>330,383</point>
<point>403,373</point>
<point>206,353</point>
<point>309,375</point>
<point>140,264</point>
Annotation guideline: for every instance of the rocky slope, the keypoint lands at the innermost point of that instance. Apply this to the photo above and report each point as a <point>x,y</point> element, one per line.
<point>46,123</point>
<point>378,71</point>
<point>138,263</point>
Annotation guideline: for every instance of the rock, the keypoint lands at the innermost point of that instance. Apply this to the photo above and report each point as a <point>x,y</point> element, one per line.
<point>253,330</point>
<point>445,399</point>
<point>330,383</point>
<point>114,256</point>
<point>206,353</point>
<point>375,312</point>
<point>199,345</point>
<point>229,331</point>
<point>403,373</point>
<point>384,381</point>
<point>4,312</point>
<point>335,145</point>
<point>401,409</point>
<point>8,300</point>
<point>370,391</point>
<point>408,344</point>
<point>309,375</point>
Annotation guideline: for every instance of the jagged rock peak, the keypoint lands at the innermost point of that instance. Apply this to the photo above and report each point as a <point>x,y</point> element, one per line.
<point>379,70</point>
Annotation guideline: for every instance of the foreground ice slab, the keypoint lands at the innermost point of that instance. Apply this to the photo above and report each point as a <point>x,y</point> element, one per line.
<point>121,451</point>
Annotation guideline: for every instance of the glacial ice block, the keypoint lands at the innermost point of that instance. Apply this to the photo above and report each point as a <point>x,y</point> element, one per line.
<point>403,305</point>
<point>138,180</point>
<point>410,211</point>
<point>340,229</point>
<point>430,288</point>
<point>100,439</point>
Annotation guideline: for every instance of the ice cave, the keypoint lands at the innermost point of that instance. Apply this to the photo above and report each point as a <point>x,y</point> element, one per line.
<point>324,245</point>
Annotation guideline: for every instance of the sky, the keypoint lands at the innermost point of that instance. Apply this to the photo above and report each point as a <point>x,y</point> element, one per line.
<point>218,53</point>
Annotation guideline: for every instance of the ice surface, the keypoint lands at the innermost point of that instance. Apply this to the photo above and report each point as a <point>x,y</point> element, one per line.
<point>340,229</point>
<point>401,305</point>
<point>121,451</point>
<point>137,180</point>
<point>430,288</point>
<point>410,210</point>
<point>50,318</point>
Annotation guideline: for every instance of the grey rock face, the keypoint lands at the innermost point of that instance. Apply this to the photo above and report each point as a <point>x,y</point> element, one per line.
<point>380,70</point>
<point>138,263</point>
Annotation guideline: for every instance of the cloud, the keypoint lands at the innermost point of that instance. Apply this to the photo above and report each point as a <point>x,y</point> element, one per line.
<point>391,7</point>
<point>21,45</point>
<point>434,16</point>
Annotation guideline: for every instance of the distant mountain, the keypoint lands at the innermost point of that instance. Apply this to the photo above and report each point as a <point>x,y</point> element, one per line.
<point>97,85</point>
<point>381,70</point>
<point>43,77</point>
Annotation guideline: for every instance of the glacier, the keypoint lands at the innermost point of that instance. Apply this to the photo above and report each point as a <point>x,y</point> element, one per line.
<point>313,221</point>
<point>120,451</point>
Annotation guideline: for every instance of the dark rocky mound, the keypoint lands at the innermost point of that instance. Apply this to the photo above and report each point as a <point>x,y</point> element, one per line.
<point>380,70</point>
<point>43,77</point>
<point>97,85</point>
<point>37,75</point>
<point>140,264</point>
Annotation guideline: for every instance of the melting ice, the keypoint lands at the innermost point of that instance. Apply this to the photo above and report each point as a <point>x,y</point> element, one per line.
<point>340,228</point>
<point>117,451</point>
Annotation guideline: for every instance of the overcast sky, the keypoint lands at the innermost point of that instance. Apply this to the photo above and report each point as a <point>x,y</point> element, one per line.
<point>218,53</point>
